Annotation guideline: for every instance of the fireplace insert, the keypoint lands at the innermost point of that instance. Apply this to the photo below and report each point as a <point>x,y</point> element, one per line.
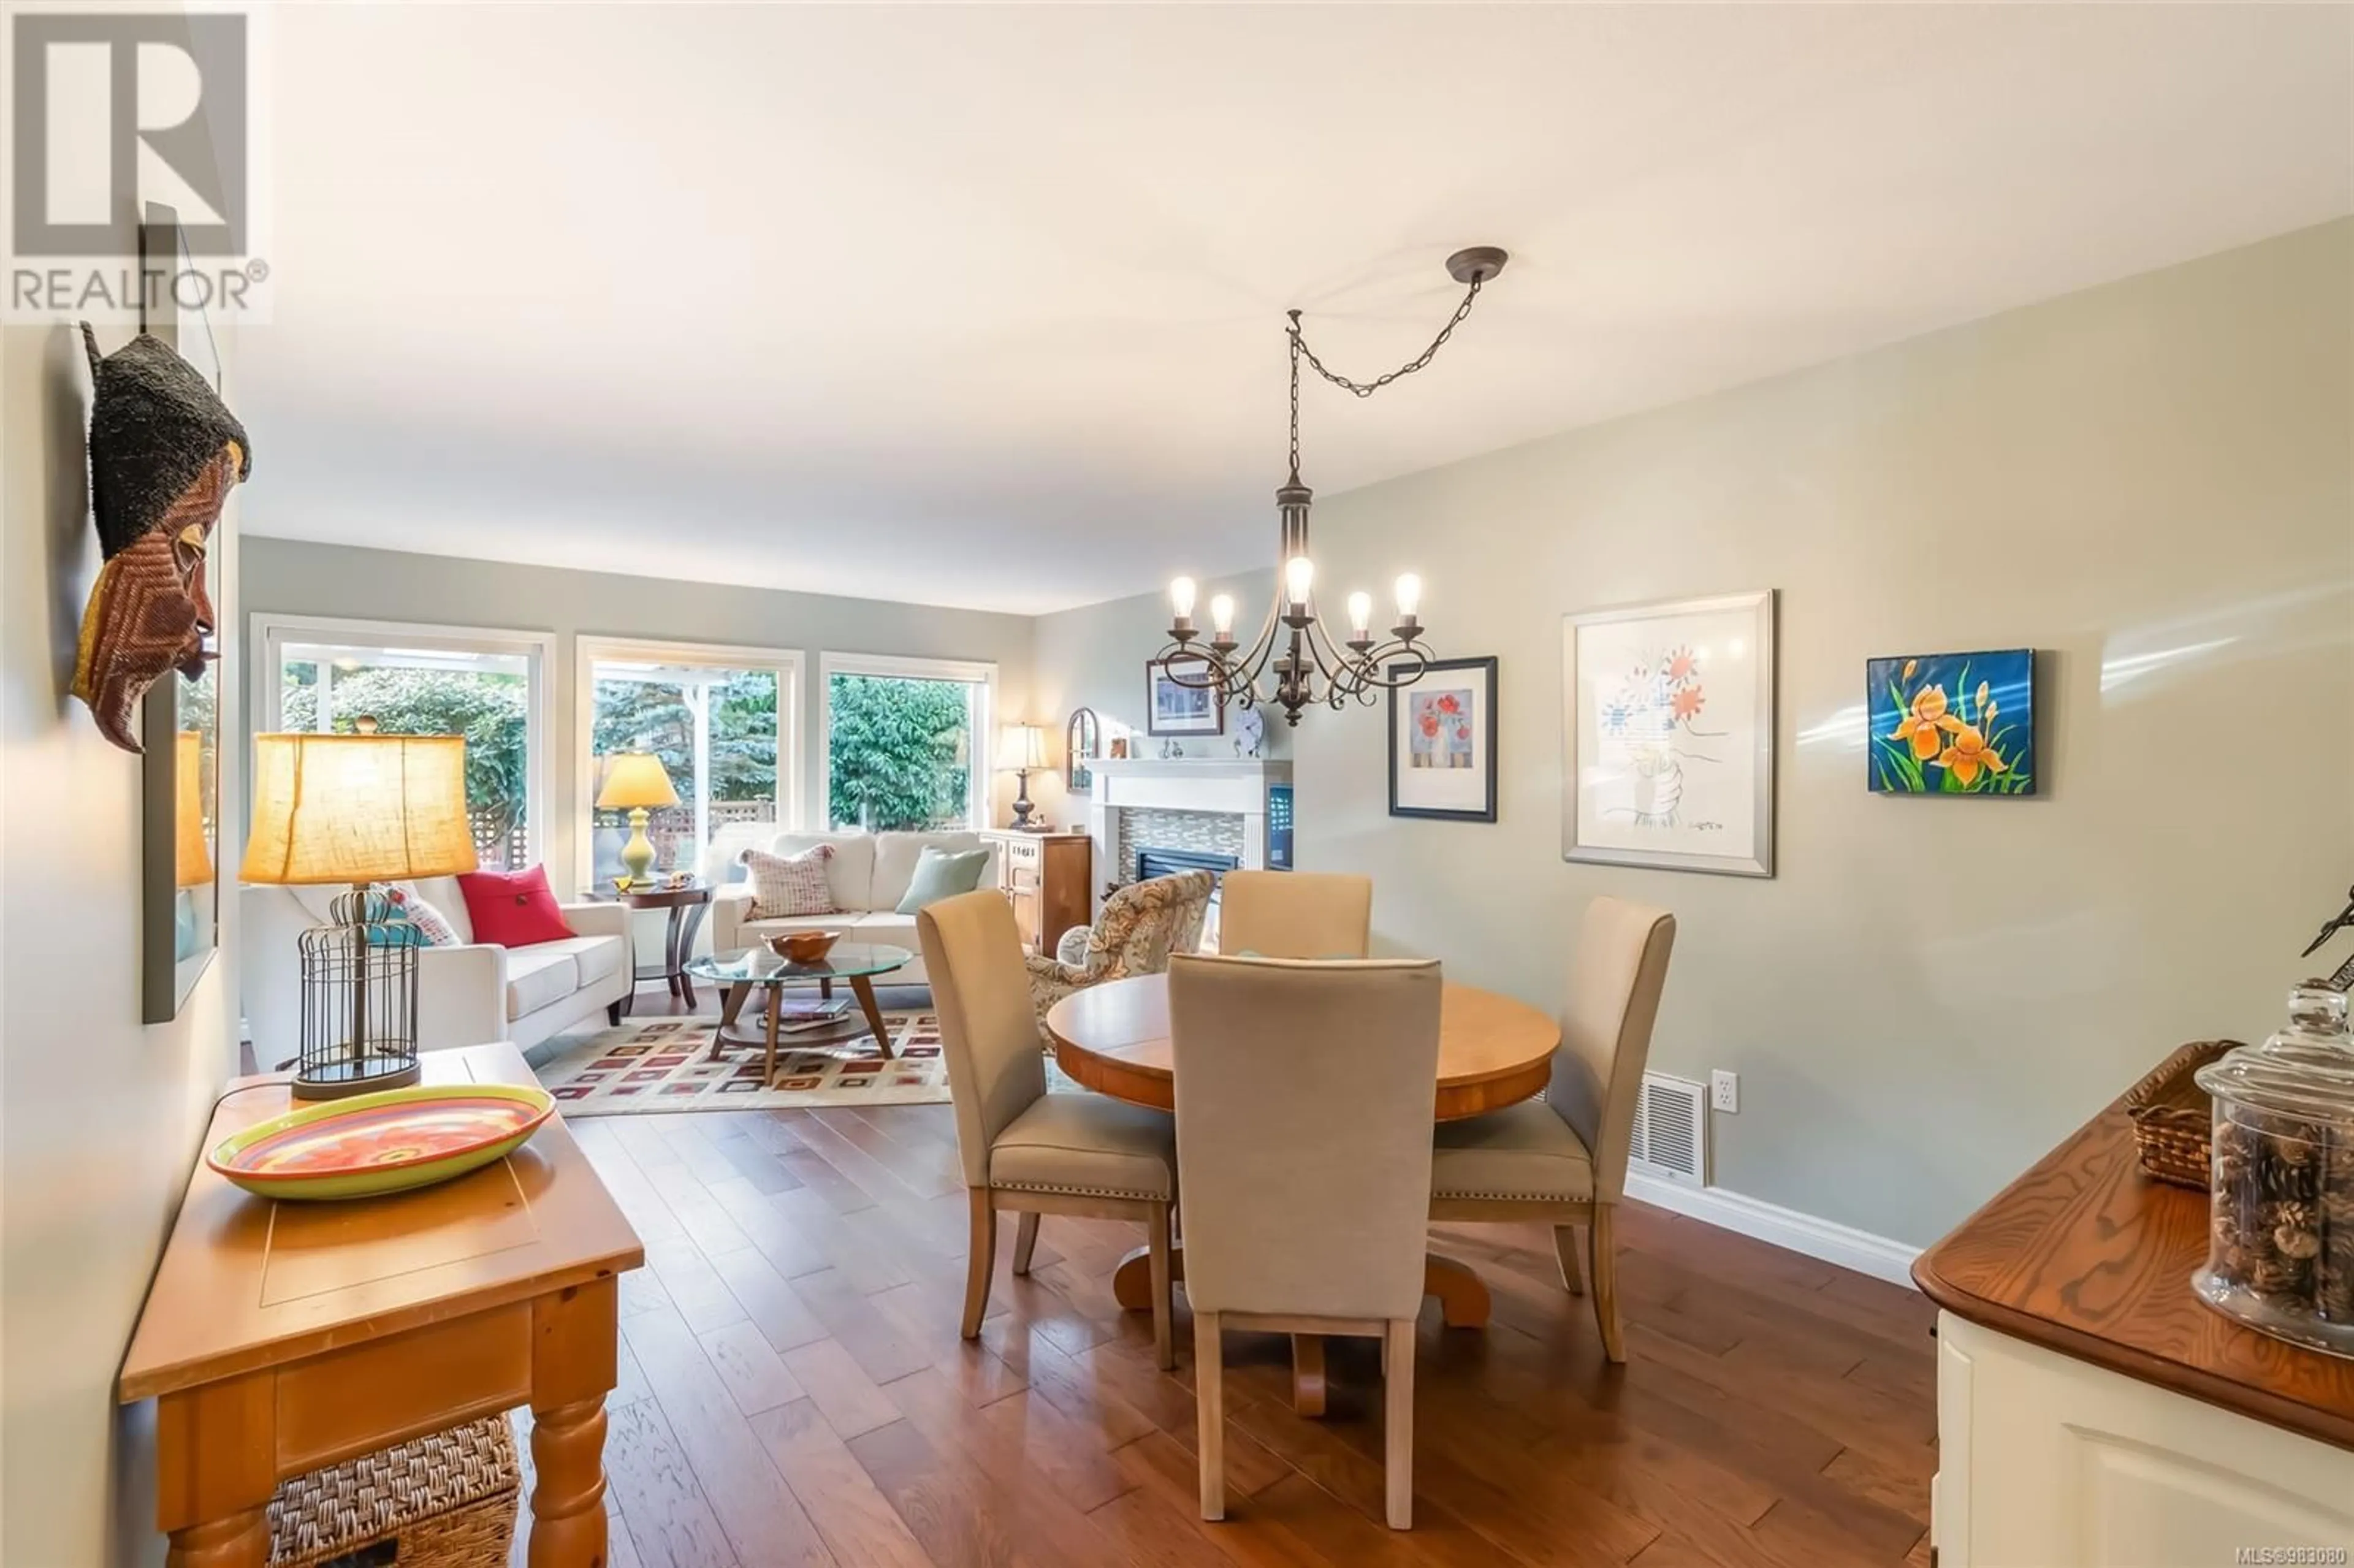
<point>1151,862</point>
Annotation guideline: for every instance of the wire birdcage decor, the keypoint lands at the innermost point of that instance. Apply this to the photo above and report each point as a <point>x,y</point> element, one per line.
<point>359,1001</point>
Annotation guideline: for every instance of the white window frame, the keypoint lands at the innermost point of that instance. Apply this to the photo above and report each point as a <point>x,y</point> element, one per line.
<point>980,793</point>
<point>273,631</point>
<point>589,650</point>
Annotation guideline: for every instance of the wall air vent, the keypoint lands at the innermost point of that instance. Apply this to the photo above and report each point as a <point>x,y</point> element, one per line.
<point>1672,1130</point>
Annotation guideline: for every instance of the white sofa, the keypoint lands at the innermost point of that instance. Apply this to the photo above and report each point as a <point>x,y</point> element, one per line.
<point>869,873</point>
<point>465,995</point>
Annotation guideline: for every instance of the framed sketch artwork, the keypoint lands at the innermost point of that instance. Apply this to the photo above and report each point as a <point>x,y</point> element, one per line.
<point>1668,736</point>
<point>1443,742</point>
<point>1176,709</point>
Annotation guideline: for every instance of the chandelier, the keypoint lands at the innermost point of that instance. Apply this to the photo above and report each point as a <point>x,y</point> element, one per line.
<point>1294,663</point>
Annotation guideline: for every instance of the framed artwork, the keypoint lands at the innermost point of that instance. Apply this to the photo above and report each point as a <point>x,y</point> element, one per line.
<point>1952,723</point>
<point>1443,742</point>
<point>179,723</point>
<point>1177,709</point>
<point>1081,736</point>
<point>1668,736</point>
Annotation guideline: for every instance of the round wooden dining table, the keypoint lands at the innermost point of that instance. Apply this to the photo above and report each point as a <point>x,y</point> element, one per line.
<point>1493,1052</point>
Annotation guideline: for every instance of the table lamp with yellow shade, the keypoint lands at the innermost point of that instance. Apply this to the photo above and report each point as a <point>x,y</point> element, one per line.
<point>636,782</point>
<point>357,810</point>
<point>1022,751</point>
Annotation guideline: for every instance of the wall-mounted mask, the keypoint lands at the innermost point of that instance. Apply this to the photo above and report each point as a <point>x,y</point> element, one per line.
<point>163,451</point>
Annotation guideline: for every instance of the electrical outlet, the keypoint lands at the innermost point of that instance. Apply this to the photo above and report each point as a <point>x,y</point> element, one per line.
<point>1724,1091</point>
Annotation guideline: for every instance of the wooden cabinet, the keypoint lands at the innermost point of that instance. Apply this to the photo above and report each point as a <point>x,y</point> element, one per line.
<point>2092,1413</point>
<point>1047,877</point>
<point>2045,1459</point>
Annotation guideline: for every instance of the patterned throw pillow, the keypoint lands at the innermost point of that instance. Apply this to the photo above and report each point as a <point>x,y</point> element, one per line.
<point>431,923</point>
<point>790,884</point>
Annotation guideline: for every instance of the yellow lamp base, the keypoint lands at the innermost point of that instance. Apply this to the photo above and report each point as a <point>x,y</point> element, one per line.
<point>638,855</point>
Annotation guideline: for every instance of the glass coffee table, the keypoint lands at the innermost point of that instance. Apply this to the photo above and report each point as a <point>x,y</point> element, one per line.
<point>742,973</point>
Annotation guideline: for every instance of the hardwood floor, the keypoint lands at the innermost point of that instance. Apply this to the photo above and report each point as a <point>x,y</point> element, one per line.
<point>793,1390</point>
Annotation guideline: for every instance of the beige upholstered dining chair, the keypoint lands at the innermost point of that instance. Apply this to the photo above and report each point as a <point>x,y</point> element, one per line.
<point>1140,926</point>
<point>1561,1160</point>
<point>1023,1149</point>
<point>1299,1234</point>
<point>1295,915</point>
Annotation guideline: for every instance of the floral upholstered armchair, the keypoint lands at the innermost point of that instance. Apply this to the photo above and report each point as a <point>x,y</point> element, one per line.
<point>1142,924</point>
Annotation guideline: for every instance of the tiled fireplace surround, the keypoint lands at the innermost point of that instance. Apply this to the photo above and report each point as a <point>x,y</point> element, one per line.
<point>1203,832</point>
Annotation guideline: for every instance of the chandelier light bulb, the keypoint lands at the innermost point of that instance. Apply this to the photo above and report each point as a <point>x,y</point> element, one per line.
<point>1180,594</point>
<point>1361,611</point>
<point>1221,613</point>
<point>1299,575</point>
<point>1409,594</point>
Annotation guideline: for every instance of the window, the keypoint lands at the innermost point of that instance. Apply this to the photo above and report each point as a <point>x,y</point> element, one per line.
<point>907,742</point>
<point>487,686</point>
<point>721,722</point>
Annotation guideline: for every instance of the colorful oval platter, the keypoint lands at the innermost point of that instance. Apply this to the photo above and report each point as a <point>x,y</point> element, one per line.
<point>389,1142</point>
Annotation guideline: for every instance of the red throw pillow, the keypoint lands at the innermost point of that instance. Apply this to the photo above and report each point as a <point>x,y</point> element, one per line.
<point>512,908</point>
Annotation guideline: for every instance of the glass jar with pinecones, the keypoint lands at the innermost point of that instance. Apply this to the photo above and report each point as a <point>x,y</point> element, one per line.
<point>2281,1244</point>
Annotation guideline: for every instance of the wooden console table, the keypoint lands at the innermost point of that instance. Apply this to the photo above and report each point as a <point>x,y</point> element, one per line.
<point>278,1337</point>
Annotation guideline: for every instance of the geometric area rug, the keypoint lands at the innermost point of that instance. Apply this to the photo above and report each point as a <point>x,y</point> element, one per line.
<point>667,1066</point>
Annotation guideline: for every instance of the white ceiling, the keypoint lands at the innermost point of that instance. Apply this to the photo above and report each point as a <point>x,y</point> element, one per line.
<point>983,306</point>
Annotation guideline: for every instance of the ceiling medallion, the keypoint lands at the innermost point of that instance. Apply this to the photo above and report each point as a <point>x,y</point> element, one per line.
<point>1294,663</point>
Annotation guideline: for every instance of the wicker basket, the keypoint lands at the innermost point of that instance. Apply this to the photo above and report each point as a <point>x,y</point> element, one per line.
<point>2174,1122</point>
<point>447,1500</point>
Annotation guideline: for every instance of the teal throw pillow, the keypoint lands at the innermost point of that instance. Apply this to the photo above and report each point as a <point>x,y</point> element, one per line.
<point>943,873</point>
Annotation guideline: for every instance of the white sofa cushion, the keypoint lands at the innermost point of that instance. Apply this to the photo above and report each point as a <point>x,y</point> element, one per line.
<point>540,976</point>
<point>886,927</point>
<point>850,872</point>
<point>896,855</point>
<point>594,957</point>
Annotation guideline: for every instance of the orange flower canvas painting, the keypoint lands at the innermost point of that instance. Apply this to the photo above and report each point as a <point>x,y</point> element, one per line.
<point>1953,723</point>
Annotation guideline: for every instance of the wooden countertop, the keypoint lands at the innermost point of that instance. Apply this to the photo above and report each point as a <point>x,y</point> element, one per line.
<point>2085,1255</point>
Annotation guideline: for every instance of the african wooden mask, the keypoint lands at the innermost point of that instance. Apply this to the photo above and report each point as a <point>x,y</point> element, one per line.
<point>163,451</point>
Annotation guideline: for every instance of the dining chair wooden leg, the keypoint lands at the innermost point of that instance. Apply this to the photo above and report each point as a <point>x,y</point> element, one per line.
<point>1564,1247</point>
<point>1397,1420</point>
<point>1026,1241</point>
<point>1164,1343</point>
<point>1605,1261</point>
<point>1210,1413</point>
<point>980,1262</point>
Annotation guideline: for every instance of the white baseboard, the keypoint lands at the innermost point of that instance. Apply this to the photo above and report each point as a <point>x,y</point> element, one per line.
<point>1826,1239</point>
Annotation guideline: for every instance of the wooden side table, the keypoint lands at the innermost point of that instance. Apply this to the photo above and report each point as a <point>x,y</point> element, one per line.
<point>687,907</point>
<point>280,1337</point>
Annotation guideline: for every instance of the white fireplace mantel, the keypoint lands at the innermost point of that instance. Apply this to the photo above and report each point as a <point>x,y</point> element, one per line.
<point>1233,787</point>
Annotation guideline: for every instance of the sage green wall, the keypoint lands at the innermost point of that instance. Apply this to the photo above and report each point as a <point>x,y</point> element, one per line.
<point>2150,483</point>
<point>100,1113</point>
<point>294,577</point>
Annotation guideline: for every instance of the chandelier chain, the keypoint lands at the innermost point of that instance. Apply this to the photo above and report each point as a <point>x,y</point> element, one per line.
<point>1300,349</point>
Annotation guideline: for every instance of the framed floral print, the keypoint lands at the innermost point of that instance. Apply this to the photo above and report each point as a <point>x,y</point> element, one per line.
<point>1443,742</point>
<point>1668,736</point>
<point>1176,708</point>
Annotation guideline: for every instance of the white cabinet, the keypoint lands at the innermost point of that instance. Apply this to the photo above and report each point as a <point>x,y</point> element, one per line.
<point>2048,1462</point>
